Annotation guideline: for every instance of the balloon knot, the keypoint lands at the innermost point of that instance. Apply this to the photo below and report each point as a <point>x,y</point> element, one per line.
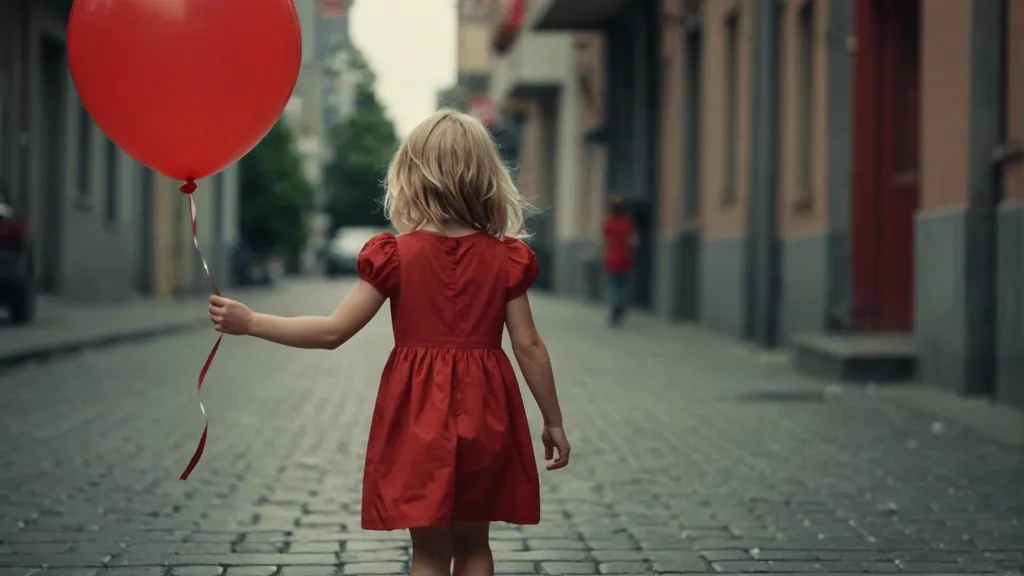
<point>188,187</point>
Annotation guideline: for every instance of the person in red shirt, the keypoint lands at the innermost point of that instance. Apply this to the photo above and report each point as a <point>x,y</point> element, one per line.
<point>620,238</point>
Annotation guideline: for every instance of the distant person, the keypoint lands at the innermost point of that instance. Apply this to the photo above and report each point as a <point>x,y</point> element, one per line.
<point>449,447</point>
<point>619,234</point>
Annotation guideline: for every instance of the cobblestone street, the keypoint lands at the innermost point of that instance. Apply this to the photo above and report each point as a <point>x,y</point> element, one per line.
<point>691,454</point>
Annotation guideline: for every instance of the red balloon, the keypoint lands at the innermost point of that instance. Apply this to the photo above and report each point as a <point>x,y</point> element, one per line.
<point>186,87</point>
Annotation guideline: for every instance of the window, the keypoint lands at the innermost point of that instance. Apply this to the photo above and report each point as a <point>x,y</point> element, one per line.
<point>110,202</point>
<point>731,132</point>
<point>84,153</point>
<point>805,105</point>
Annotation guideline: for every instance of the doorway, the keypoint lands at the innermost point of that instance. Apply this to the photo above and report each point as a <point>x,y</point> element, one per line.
<point>52,154</point>
<point>545,238</point>
<point>885,162</point>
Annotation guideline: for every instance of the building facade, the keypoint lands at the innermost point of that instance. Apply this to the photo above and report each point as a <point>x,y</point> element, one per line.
<point>333,47</point>
<point>104,227</point>
<point>346,79</point>
<point>308,97</point>
<point>473,52</point>
<point>313,106</point>
<point>811,167</point>
<point>534,83</point>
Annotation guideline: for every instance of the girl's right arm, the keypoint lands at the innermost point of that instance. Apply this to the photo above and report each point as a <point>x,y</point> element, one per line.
<point>535,364</point>
<point>311,332</point>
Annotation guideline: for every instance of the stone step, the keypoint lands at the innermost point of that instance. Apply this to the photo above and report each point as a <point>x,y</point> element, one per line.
<point>858,357</point>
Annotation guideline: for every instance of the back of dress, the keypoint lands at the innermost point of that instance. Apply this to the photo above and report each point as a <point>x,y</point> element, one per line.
<point>449,439</point>
<point>448,292</point>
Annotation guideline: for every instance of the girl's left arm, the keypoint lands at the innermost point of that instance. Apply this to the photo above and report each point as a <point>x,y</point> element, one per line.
<point>321,332</point>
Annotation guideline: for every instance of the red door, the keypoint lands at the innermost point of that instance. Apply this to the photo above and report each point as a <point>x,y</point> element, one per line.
<point>885,182</point>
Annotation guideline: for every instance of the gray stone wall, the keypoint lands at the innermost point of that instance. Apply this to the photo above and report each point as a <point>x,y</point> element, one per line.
<point>940,298</point>
<point>97,246</point>
<point>677,277</point>
<point>724,285</point>
<point>572,276</point>
<point>804,305</point>
<point>1010,305</point>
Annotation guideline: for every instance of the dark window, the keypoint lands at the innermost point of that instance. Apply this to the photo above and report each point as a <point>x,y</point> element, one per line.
<point>84,152</point>
<point>110,202</point>
<point>694,74</point>
<point>732,107</point>
<point>805,91</point>
<point>3,117</point>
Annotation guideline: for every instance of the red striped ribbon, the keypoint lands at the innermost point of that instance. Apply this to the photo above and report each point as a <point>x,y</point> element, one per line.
<point>187,189</point>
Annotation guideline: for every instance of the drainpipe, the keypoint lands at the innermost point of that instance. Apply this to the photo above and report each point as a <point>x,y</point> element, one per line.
<point>763,273</point>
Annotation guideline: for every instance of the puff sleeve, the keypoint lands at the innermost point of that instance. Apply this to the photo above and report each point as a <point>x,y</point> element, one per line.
<point>522,268</point>
<point>378,263</point>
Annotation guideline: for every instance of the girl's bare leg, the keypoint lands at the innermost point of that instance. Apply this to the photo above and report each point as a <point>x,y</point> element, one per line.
<point>431,552</point>
<point>472,548</point>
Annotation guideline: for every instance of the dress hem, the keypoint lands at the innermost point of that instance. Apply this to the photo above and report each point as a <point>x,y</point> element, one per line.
<point>441,523</point>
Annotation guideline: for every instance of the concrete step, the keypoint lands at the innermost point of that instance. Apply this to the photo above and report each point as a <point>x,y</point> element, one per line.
<point>859,357</point>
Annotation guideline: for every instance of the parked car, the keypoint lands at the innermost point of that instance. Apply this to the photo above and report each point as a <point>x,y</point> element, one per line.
<point>343,250</point>
<point>17,273</point>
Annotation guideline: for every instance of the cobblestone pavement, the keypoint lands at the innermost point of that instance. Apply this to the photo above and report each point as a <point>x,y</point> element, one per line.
<point>690,456</point>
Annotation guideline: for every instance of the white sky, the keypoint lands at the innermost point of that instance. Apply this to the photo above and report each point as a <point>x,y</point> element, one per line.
<point>411,46</point>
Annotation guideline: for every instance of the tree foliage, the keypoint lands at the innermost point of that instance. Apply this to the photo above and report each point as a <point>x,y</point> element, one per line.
<point>363,145</point>
<point>276,197</point>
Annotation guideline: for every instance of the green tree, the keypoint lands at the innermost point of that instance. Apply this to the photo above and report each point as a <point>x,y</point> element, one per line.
<point>363,145</point>
<point>276,198</point>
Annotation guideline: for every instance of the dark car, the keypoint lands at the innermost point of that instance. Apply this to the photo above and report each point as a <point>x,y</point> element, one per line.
<point>17,286</point>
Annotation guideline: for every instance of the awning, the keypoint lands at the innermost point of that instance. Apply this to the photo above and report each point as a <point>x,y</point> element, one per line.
<point>331,9</point>
<point>510,25</point>
<point>577,14</point>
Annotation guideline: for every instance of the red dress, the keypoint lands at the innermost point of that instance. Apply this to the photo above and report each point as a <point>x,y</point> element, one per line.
<point>449,441</point>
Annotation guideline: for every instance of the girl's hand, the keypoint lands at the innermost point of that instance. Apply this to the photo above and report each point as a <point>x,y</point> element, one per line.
<point>230,317</point>
<point>555,441</point>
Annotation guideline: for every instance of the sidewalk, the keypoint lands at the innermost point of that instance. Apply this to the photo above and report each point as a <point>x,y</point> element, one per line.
<point>1001,422</point>
<point>63,326</point>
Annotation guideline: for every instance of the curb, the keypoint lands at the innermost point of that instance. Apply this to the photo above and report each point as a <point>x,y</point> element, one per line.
<point>49,351</point>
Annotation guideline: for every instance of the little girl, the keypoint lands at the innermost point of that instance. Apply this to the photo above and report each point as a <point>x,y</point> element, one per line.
<point>449,448</point>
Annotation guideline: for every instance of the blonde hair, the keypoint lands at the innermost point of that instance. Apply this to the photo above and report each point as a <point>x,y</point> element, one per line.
<point>447,172</point>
